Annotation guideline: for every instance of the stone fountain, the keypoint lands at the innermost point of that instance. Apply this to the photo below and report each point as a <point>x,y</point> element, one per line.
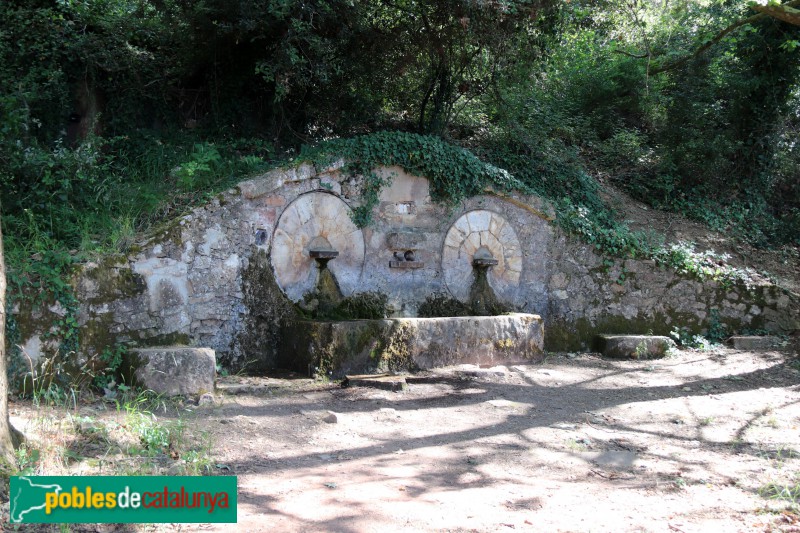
<point>323,266</point>
<point>242,275</point>
<point>481,296</point>
<point>327,295</point>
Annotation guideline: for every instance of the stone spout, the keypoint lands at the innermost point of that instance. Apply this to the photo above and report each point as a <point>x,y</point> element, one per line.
<point>481,296</point>
<point>327,292</point>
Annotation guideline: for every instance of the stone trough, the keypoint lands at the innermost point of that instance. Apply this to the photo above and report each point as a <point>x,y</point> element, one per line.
<point>337,348</point>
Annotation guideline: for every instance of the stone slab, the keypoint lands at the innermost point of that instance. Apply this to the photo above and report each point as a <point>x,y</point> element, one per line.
<point>406,264</point>
<point>175,371</point>
<point>753,342</point>
<point>380,381</point>
<point>428,379</point>
<point>634,346</point>
<point>405,240</point>
<point>621,460</point>
<point>339,348</point>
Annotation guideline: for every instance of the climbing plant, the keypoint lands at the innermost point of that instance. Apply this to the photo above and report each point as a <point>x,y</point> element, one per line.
<point>454,172</point>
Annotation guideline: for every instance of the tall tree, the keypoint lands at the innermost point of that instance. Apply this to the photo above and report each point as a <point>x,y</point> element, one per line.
<point>8,436</point>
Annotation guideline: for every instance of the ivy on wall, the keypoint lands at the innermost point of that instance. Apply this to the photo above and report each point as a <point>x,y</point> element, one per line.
<point>454,173</point>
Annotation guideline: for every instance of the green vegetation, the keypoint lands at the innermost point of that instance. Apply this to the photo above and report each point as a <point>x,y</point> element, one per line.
<point>455,173</point>
<point>442,304</point>
<point>359,306</point>
<point>787,492</point>
<point>124,437</point>
<point>118,115</point>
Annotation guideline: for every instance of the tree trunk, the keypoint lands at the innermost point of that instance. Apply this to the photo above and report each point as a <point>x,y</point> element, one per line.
<point>8,437</point>
<point>783,12</point>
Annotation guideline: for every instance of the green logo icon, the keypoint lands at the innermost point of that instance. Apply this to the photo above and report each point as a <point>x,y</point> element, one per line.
<point>122,499</point>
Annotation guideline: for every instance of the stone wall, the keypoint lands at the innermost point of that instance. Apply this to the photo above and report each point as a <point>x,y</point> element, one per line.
<point>588,296</point>
<point>226,275</point>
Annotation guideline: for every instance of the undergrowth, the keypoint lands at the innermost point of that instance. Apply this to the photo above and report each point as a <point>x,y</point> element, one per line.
<point>140,433</point>
<point>456,173</point>
<point>63,205</point>
<point>116,188</point>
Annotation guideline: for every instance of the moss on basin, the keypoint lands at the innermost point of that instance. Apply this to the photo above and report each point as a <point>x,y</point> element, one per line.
<point>336,348</point>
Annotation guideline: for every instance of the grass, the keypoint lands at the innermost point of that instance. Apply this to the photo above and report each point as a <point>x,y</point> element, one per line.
<point>785,492</point>
<point>577,445</point>
<point>101,438</point>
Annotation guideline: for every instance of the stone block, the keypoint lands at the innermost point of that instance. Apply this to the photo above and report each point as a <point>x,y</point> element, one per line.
<point>367,346</point>
<point>754,342</point>
<point>403,187</point>
<point>262,185</point>
<point>175,370</point>
<point>405,240</point>
<point>376,381</point>
<point>406,264</point>
<point>634,346</point>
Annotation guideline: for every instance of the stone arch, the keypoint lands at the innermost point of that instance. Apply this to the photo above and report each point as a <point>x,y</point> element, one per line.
<point>312,215</point>
<point>473,231</point>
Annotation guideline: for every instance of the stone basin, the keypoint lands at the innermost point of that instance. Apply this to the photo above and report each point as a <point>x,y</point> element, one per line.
<point>336,348</point>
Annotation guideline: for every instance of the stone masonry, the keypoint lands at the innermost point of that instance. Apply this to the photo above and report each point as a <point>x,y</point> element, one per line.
<point>209,278</point>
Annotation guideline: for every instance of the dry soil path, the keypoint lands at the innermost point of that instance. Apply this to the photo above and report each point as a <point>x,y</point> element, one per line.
<point>577,443</point>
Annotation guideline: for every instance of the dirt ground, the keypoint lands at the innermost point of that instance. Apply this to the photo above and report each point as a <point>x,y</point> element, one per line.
<point>576,443</point>
<point>700,441</point>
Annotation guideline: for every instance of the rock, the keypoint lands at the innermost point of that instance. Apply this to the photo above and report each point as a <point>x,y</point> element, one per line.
<point>331,418</point>
<point>236,388</point>
<point>496,371</point>
<point>615,459</point>
<point>176,469</point>
<point>377,381</point>
<point>205,400</point>
<point>754,342</point>
<point>260,186</point>
<point>427,379</point>
<point>507,403</point>
<point>405,240</point>
<point>634,346</point>
<point>176,370</point>
<point>87,426</point>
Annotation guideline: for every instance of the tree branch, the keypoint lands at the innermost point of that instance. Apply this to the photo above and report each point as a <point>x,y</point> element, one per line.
<point>784,12</point>
<point>721,35</point>
<point>629,54</point>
